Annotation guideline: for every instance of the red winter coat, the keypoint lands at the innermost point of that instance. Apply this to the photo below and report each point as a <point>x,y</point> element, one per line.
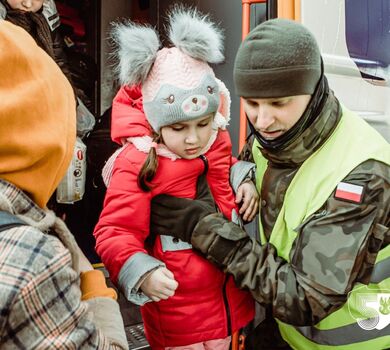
<point>207,304</point>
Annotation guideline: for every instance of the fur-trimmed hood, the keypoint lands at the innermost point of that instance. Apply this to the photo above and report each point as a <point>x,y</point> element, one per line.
<point>128,118</point>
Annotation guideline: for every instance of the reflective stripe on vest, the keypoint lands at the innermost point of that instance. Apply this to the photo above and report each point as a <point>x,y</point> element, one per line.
<point>381,271</point>
<point>343,335</point>
<point>351,333</point>
<point>308,191</point>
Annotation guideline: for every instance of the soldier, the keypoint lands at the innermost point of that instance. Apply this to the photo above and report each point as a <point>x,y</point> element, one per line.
<point>323,175</point>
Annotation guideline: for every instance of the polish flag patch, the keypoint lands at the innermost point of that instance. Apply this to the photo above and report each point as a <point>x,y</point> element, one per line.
<point>349,192</point>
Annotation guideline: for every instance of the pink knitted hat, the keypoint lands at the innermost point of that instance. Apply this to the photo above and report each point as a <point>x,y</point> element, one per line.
<point>177,82</point>
<point>176,68</point>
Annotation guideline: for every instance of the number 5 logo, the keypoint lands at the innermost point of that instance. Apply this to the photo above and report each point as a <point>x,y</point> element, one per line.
<point>369,309</point>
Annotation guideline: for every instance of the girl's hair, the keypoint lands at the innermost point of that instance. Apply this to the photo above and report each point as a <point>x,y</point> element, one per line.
<point>148,170</point>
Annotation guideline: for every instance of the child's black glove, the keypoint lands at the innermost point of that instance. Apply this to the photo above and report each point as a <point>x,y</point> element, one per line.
<point>177,217</point>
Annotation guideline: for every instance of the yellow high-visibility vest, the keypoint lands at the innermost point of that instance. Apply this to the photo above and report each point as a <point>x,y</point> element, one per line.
<point>352,142</point>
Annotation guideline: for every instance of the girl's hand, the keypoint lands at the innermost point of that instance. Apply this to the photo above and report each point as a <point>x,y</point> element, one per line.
<point>249,198</point>
<point>160,284</point>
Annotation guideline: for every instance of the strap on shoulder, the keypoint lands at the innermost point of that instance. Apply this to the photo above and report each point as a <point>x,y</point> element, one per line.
<point>8,220</point>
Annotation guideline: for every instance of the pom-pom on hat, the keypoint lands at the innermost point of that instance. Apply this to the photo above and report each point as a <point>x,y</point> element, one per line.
<point>177,82</point>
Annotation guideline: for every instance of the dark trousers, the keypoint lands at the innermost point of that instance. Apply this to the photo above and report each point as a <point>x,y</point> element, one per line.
<point>266,336</point>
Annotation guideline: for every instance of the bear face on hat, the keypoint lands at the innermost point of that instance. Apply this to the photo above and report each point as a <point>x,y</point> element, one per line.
<point>179,88</point>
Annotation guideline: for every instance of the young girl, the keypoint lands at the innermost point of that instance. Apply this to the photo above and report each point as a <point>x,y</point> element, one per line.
<point>187,302</point>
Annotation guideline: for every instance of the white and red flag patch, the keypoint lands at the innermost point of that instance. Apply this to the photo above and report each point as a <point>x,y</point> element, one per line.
<point>349,192</point>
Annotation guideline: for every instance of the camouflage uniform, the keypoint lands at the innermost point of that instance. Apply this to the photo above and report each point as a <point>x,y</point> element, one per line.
<point>298,291</point>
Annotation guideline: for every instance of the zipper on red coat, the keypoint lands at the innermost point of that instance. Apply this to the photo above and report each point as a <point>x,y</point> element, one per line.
<point>227,308</point>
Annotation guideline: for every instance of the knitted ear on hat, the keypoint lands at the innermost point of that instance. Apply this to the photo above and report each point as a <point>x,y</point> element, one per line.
<point>224,104</point>
<point>222,116</point>
<point>194,34</point>
<point>137,47</point>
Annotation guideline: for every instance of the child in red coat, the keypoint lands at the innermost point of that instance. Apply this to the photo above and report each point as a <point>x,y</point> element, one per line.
<point>186,300</point>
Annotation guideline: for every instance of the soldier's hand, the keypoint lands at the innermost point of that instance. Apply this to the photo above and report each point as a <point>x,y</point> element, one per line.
<point>176,216</point>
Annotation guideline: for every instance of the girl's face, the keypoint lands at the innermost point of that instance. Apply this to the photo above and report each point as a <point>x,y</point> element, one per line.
<point>187,139</point>
<point>26,5</point>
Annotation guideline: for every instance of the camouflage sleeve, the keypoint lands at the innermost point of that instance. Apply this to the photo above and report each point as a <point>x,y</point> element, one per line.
<point>246,152</point>
<point>335,248</point>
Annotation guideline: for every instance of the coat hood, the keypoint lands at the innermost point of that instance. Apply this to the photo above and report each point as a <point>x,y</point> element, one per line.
<point>37,116</point>
<point>128,118</point>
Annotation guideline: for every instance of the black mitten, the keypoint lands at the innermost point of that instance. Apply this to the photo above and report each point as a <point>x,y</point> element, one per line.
<point>178,217</point>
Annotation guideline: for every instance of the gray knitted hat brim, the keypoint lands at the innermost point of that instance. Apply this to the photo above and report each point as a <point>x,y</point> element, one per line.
<point>276,82</point>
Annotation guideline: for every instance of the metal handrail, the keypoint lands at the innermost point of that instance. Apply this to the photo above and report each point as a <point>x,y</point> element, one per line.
<point>246,11</point>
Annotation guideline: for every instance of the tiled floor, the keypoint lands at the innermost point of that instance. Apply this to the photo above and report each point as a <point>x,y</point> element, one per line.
<point>136,337</point>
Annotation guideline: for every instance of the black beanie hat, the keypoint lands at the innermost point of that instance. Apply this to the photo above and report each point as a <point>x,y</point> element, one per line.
<point>278,58</point>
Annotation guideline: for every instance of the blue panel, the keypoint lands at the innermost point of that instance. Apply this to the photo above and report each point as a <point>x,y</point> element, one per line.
<point>368,31</point>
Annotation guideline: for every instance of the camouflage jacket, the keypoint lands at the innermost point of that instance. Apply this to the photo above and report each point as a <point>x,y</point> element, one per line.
<point>277,283</point>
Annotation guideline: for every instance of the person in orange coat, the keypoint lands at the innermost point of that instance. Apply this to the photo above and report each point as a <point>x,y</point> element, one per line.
<point>50,295</point>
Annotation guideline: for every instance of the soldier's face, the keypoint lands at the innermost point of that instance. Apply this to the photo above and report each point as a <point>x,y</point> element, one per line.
<point>26,5</point>
<point>272,117</point>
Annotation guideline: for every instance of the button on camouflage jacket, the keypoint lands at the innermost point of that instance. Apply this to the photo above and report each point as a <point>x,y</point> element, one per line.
<point>295,299</point>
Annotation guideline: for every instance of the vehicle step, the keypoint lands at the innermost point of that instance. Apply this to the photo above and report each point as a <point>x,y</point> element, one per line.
<point>136,337</point>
